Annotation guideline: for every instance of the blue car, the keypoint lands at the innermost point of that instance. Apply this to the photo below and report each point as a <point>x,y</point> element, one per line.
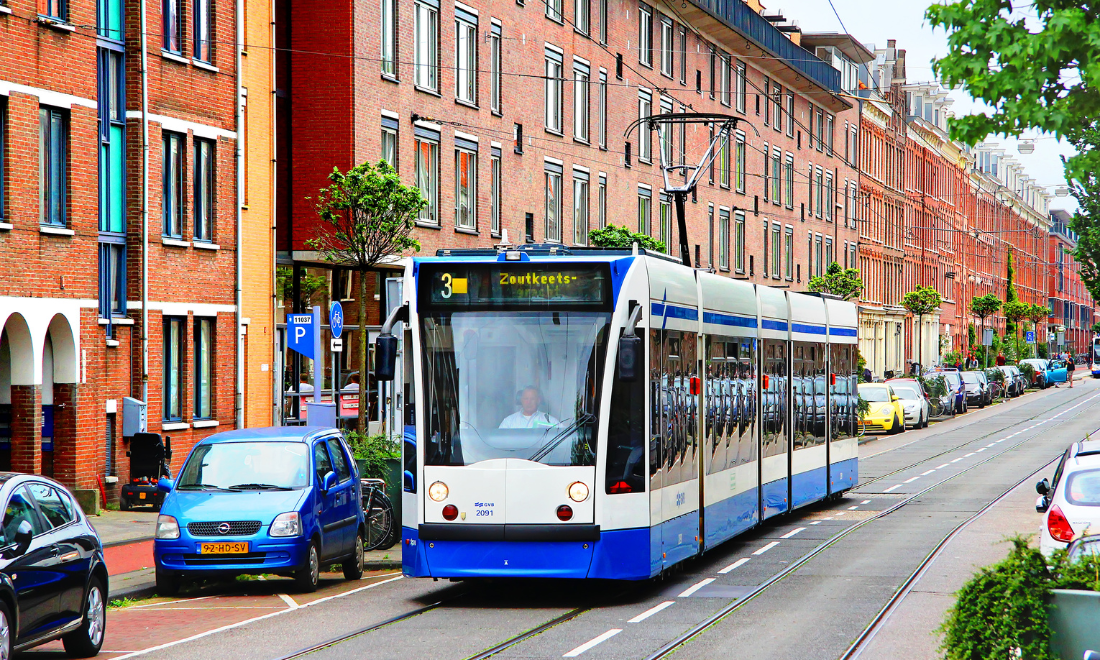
<point>282,500</point>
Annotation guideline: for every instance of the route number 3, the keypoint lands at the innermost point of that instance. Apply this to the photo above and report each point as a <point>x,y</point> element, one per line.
<point>446,285</point>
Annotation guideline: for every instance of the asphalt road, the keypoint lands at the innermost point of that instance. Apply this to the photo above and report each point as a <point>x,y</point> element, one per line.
<point>805,585</point>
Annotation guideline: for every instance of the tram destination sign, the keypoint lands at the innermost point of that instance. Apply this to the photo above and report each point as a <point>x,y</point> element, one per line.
<point>523,284</point>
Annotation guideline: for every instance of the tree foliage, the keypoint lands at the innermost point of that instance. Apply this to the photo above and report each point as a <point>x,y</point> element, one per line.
<point>843,282</point>
<point>1086,221</point>
<point>1041,76</point>
<point>621,237</point>
<point>985,306</point>
<point>367,216</point>
<point>922,300</point>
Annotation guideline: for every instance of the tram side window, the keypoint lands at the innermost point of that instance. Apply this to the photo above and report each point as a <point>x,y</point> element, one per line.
<point>775,397</point>
<point>626,438</point>
<point>673,410</point>
<point>747,419</point>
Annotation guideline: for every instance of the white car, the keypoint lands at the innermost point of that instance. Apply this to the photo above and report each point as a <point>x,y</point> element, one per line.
<point>913,402</point>
<point>1071,504</point>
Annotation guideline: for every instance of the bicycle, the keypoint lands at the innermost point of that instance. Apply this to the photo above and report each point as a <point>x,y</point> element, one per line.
<point>381,526</point>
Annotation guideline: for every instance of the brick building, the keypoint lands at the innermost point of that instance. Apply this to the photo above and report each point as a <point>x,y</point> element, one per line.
<point>1070,303</point>
<point>108,291</point>
<point>512,118</point>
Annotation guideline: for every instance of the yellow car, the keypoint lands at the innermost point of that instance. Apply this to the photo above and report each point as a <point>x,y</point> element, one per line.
<point>886,413</point>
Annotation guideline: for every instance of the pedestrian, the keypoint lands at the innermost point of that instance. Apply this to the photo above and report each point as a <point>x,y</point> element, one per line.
<point>1069,370</point>
<point>1000,359</point>
<point>867,375</point>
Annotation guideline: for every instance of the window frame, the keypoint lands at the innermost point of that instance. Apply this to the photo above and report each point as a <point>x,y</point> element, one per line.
<point>390,137</point>
<point>553,11</point>
<point>470,156</point>
<point>668,44</point>
<point>742,86</point>
<point>171,26</point>
<point>494,191</point>
<point>724,240</point>
<point>739,241</point>
<point>739,153</point>
<point>603,22</point>
<point>426,46</point>
<point>553,95</point>
<point>552,201</point>
<point>645,135</point>
<point>172,181</point>
<point>580,207</point>
<point>788,256</point>
<point>788,173</point>
<point>204,357</point>
<point>388,45</point>
<point>601,103</point>
<point>582,16</point>
<point>52,159</point>
<point>173,359</point>
<point>496,75</point>
<point>466,57</point>
<point>645,210</point>
<point>601,201</point>
<point>202,186</point>
<point>429,174</point>
<point>777,250</point>
<point>202,30</point>
<point>645,35</point>
<point>582,81</point>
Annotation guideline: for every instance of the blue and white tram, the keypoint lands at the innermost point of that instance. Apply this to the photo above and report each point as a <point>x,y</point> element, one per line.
<point>608,413</point>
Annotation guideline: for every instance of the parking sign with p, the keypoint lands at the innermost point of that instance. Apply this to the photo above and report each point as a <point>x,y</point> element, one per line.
<point>300,331</point>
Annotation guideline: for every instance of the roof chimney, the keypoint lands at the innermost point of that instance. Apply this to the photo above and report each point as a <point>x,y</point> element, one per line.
<point>891,43</point>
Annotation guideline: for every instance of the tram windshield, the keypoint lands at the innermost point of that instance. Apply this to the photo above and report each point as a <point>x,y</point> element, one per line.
<point>513,384</point>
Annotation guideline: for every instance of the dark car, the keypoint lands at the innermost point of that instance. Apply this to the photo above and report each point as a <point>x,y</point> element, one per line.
<point>955,387</point>
<point>51,568</point>
<point>977,388</point>
<point>1015,383</point>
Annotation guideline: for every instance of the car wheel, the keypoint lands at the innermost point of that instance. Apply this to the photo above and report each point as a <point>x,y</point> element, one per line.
<point>353,566</point>
<point>168,584</point>
<point>307,577</point>
<point>6,632</point>
<point>124,504</point>
<point>898,426</point>
<point>85,641</point>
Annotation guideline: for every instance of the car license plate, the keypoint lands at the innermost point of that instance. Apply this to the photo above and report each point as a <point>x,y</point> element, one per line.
<point>233,548</point>
<point>141,496</point>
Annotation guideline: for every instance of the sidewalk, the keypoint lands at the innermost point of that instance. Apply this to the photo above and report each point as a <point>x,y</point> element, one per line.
<point>127,538</point>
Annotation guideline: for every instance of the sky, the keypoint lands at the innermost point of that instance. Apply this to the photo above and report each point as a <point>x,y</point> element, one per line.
<point>873,22</point>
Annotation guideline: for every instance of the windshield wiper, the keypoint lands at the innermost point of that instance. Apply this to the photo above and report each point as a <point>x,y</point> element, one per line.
<point>553,442</point>
<point>259,487</point>
<point>198,487</point>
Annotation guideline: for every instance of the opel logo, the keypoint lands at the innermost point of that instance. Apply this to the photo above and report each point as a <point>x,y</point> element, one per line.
<point>223,528</point>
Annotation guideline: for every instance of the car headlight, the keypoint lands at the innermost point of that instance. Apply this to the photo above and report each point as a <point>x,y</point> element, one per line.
<point>167,528</point>
<point>438,491</point>
<point>286,524</point>
<point>578,491</point>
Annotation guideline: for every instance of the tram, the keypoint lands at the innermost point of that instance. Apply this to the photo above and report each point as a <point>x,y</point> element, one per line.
<point>603,413</point>
<point>1094,356</point>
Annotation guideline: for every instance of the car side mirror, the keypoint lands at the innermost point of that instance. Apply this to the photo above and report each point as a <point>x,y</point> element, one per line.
<point>22,541</point>
<point>165,485</point>
<point>1043,487</point>
<point>894,397</point>
<point>1042,504</point>
<point>168,447</point>
<point>329,482</point>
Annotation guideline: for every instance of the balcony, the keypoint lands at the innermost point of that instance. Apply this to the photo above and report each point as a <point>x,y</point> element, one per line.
<point>741,18</point>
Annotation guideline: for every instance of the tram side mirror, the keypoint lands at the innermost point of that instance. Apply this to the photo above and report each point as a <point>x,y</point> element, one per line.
<point>409,482</point>
<point>630,354</point>
<point>385,357</point>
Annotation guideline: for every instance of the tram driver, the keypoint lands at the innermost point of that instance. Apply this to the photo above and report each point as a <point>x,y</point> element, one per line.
<point>529,416</point>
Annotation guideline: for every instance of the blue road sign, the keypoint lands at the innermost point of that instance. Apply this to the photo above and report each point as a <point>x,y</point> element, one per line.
<point>1030,336</point>
<point>336,319</point>
<point>300,331</point>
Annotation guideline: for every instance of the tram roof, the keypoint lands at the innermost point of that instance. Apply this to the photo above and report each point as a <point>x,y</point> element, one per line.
<point>535,250</point>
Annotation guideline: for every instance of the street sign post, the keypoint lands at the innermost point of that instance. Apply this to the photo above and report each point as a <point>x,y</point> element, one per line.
<point>299,334</point>
<point>337,345</point>
<point>1029,336</point>
<point>336,319</point>
<point>987,337</point>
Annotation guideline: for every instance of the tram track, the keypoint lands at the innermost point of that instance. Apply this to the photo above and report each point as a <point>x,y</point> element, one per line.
<point>869,631</point>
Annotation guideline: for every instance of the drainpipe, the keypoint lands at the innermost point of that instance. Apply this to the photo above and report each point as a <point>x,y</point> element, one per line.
<point>241,100</point>
<point>144,208</point>
<point>276,377</point>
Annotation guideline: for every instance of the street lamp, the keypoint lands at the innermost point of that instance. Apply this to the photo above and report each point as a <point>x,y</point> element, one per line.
<point>1026,147</point>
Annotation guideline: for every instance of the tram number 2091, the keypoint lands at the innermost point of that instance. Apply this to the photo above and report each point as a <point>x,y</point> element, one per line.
<point>681,499</point>
<point>484,509</point>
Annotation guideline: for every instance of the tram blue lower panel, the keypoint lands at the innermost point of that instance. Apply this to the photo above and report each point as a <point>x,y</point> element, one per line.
<point>843,475</point>
<point>775,498</point>
<point>624,554</point>
<point>678,537</point>
<point>725,519</point>
<point>466,559</point>
<point>809,486</point>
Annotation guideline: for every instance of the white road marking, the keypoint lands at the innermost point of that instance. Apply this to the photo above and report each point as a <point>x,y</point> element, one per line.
<point>816,522</point>
<point>980,450</point>
<point>940,467</point>
<point>853,508</point>
<point>170,602</point>
<point>925,474</point>
<point>865,502</point>
<point>829,518</point>
<point>396,576</point>
<point>993,443</point>
<point>739,562</point>
<point>956,460</point>
<point>839,513</point>
<point>766,548</point>
<point>909,481</point>
<point>289,601</point>
<point>593,642</point>
<point>793,532</point>
<point>968,455</point>
<point>650,612</point>
<point>895,486</point>
<point>696,587</point>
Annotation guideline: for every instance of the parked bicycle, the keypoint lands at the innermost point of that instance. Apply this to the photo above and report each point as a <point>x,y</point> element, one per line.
<point>381,526</point>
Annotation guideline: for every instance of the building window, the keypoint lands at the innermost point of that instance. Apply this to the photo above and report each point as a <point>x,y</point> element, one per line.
<point>603,21</point>
<point>819,185</point>
<point>109,19</point>
<point>683,55</point>
<point>790,114</point>
<point>810,191</point>
<point>767,171</point>
<point>668,36</point>
<point>777,178</point>
<point>645,199</point>
<point>829,204</point>
<point>667,135</point>
<point>724,79</point>
<point>494,193</point>
<point>172,394</point>
<point>204,189</point>
<point>496,78</point>
<point>601,103</point>
<point>788,184</point>
<point>204,367</point>
<point>828,135</point>
<point>767,101</point>
<point>764,271</point>
<point>645,139</point>
<point>553,90</point>
<point>389,141</point>
<point>112,146</point>
<point>739,242</point>
<point>777,250</point>
<point>666,222</point>
<point>810,254</point>
<point>581,11</point>
<point>53,148</point>
<point>601,200</point>
<point>427,176</point>
<point>389,38</point>
<point>820,129</point>
<point>172,25</point>
<point>580,207</point>
<point>739,162</point>
<point>426,51</point>
<point>645,35</point>
<point>465,56</point>
<point>777,106</point>
<point>553,202</point>
<point>724,161</point>
<point>788,253</point>
<point>58,9</point>
<point>580,101</point>
<point>553,10</point>
<point>202,37</point>
<point>818,267</point>
<point>465,189</point>
<point>724,240</point>
<point>3,152</point>
<point>112,278</point>
<point>742,86</point>
<point>172,175</point>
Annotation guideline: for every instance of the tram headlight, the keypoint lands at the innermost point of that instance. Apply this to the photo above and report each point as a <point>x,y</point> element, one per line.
<point>438,491</point>
<point>578,491</point>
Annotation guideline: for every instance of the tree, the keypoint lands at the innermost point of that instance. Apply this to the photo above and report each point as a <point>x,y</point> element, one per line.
<point>921,301</point>
<point>1036,314</point>
<point>984,306</point>
<point>1037,73</point>
<point>1015,310</point>
<point>843,282</point>
<point>1086,221</point>
<point>367,217</point>
<point>621,237</point>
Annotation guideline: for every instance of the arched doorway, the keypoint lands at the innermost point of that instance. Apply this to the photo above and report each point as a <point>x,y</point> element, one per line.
<point>20,399</point>
<point>59,402</point>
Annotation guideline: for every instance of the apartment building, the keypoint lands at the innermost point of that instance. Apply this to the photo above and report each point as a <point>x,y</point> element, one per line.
<point>118,217</point>
<point>1073,311</point>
